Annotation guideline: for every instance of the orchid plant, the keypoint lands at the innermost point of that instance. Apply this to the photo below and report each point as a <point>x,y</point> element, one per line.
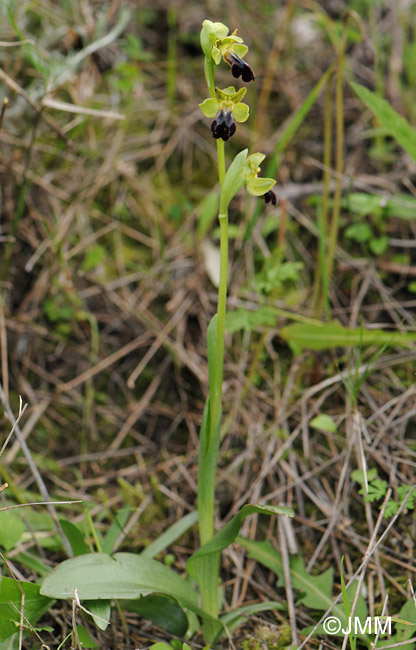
<point>98,578</point>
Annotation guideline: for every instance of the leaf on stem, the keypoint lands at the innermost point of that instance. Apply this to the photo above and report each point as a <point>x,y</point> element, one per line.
<point>229,532</point>
<point>233,181</point>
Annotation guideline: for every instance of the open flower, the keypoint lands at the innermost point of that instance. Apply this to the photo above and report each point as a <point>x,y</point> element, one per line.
<point>217,44</point>
<point>255,185</point>
<point>240,68</point>
<point>226,108</point>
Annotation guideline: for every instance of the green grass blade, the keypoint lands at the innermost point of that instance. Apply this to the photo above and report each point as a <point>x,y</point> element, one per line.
<point>170,535</point>
<point>398,127</point>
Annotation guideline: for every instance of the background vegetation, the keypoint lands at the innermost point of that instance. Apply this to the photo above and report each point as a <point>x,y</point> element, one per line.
<point>108,239</point>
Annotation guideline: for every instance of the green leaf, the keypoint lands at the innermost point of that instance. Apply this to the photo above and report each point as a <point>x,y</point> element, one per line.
<point>161,645</point>
<point>94,257</point>
<point>404,632</point>
<point>316,590</point>
<point>229,532</point>
<point>163,611</point>
<point>323,422</point>
<point>358,475</point>
<point>379,245</point>
<point>398,127</point>
<point>170,535</point>
<point>234,619</point>
<point>85,638</point>
<point>331,335</point>
<point>11,529</point>
<point>359,232</point>
<point>10,605</point>
<point>100,612</point>
<point>124,575</point>
<point>244,319</point>
<point>116,528</point>
<point>376,490</point>
<point>233,181</point>
<point>74,537</point>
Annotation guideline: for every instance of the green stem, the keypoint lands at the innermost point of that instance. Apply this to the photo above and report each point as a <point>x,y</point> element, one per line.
<point>221,310</point>
<point>208,572</point>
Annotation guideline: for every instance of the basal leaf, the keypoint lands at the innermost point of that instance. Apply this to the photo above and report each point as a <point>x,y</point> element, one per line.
<point>229,532</point>
<point>74,537</point>
<point>10,603</point>
<point>124,575</point>
<point>163,611</point>
<point>171,535</point>
<point>332,335</point>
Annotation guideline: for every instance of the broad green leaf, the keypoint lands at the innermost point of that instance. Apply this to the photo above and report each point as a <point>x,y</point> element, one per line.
<point>11,529</point>
<point>10,605</point>
<point>74,537</point>
<point>323,422</point>
<point>170,535</point>
<point>229,532</point>
<point>163,611</point>
<point>233,181</point>
<point>393,122</point>
<point>332,335</point>
<point>124,575</point>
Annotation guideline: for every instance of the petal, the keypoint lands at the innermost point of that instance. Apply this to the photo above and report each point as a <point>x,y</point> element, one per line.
<point>240,50</point>
<point>209,107</point>
<point>216,55</point>
<point>255,160</point>
<point>259,186</point>
<point>238,96</point>
<point>221,30</point>
<point>241,112</point>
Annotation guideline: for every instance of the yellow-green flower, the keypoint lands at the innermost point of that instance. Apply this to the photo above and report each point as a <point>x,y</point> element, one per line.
<point>255,185</point>
<point>226,108</point>
<point>217,44</point>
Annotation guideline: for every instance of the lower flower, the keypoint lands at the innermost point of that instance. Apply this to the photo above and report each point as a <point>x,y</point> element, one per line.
<point>223,126</point>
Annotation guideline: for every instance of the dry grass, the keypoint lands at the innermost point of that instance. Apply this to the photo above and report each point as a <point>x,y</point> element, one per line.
<point>109,352</point>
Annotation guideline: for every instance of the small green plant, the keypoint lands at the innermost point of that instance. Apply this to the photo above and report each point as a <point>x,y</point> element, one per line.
<point>149,587</point>
<point>376,490</point>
